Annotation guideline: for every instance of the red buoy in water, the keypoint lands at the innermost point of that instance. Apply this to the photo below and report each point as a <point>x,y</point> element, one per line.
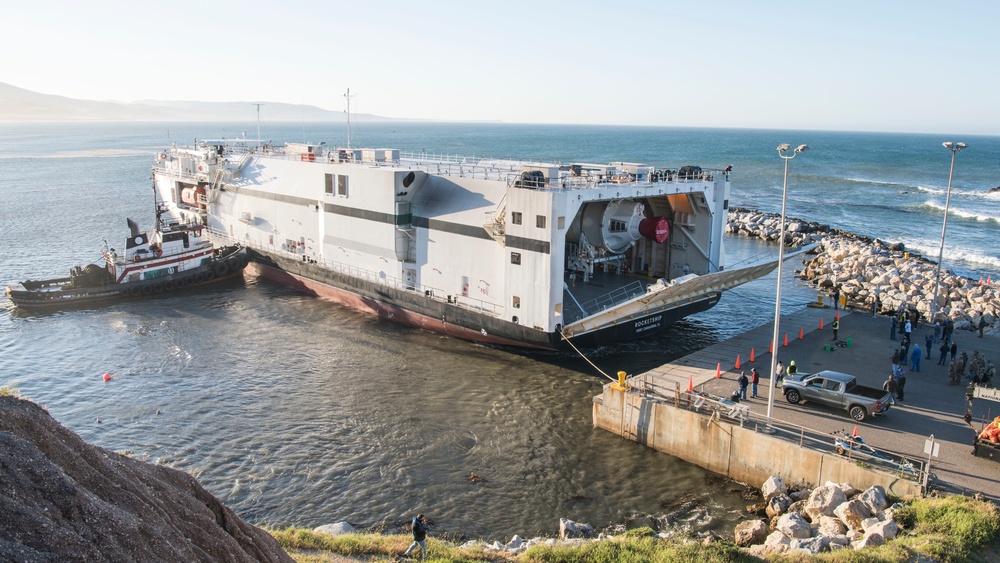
<point>107,377</point>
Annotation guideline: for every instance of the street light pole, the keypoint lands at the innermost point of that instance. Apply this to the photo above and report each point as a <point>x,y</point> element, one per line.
<point>954,148</point>
<point>782,149</point>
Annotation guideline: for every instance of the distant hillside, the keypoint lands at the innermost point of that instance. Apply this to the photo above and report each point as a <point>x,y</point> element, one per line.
<point>18,104</point>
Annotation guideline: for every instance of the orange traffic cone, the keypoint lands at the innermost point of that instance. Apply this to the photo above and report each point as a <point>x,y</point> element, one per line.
<point>770,347</point>
<point>691,384</point>
<point>838,316</point>
<point>821,324</point>
<point>718,370</point>
<point>786,340</point>
<point>855,433</point>
<point>800,333</point>
<point>980,280</point>
<point>737,366</point>
<point>988,280</point>
<point>751,356</point>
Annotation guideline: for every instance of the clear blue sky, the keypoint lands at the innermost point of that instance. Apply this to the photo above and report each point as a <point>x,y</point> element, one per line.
<point>867,66</point>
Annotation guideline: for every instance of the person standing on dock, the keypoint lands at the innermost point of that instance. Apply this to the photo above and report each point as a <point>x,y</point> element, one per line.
<point>780,372</point>
<point>754,380</point>
<point>892,328</point>
<point>915,358</point>
<point>792,370</point>
<point>419,528</point>
<point>944,353</point>
<point>900,384</point>
<point>928,341</point>
<point>743,382</point>
<point>835,326</point>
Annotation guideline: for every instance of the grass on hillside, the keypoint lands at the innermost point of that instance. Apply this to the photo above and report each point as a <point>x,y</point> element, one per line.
<point>949,529</point>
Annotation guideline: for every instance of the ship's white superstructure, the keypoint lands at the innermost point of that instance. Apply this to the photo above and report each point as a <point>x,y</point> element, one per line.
<point>512,252</point>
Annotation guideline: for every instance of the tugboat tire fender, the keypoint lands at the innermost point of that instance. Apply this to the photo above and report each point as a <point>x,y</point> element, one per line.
<point>169,285</point>
<point>158,288</point>
<point>221,268</point>
<point>147,289</point>
<point>210,275</point>
<point>199,278</point>
<point>123,292</point>
<point>134,290</point>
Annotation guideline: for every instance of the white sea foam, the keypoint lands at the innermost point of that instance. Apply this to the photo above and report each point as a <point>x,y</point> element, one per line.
<point>959,212</point>
<point>974,258</point>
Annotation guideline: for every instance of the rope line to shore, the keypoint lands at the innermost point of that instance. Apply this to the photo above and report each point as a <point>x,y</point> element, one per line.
<point>577,350</point>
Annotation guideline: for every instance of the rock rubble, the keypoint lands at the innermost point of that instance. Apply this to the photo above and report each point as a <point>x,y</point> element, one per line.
<point>833,516</point>
<point>864,268</point>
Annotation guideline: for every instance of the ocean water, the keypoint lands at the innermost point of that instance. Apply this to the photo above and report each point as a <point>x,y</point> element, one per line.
<point>296,411</point>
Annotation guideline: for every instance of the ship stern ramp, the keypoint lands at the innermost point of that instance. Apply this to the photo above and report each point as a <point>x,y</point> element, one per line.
<point>699,292</point>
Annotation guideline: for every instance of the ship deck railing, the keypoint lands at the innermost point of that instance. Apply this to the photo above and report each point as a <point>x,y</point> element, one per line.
<point>435,293</point>
<point>463,166</point>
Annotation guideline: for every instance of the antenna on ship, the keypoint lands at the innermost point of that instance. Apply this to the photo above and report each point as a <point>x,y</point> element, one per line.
<point>258,104</point>
<point>348,96</point>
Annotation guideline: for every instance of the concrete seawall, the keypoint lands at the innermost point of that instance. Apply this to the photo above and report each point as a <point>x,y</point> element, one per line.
<point>696,434</point>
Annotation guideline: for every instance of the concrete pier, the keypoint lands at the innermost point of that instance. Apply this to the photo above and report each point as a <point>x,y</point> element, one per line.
<point>738,441</point>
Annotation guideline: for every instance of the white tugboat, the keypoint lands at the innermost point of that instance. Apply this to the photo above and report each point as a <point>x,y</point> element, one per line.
<point>518,253</point>
<point>171,256</point>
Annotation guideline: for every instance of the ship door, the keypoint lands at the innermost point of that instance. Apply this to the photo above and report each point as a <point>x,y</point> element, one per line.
<point>410,278</point>
<point>465,286</point>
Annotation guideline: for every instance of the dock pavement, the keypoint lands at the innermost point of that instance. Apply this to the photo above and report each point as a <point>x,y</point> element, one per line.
<point>930,404</point>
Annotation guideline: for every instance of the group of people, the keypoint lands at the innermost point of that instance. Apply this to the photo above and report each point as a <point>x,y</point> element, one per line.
<point>753,380</point>
<point>980,370</point>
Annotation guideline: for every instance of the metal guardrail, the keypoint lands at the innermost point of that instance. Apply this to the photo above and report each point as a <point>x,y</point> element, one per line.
<point>726,410</point>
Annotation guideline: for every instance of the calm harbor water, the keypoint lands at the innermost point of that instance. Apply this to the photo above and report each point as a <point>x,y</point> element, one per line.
<point>296,411</point>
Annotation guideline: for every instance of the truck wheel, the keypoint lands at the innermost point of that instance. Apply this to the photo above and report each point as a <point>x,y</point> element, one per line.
<point>859,413</point>
<point>793,396</point>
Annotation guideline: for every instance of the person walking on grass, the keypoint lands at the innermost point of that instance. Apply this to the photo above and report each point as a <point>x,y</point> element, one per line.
<point>419,528</point>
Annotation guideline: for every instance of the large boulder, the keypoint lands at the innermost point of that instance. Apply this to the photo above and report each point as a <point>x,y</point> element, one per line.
<point>778,505</point>
<point>823,500</point>
<point>569,529</point>
<point>750,532</point>
<point>853,513</point>
<point>875,499</point>
<point>773,487</point>
<point>66,500</point>
<point>793,525</point>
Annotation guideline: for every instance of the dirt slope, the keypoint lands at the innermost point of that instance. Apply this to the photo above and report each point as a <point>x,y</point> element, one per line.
<point>62,499</point>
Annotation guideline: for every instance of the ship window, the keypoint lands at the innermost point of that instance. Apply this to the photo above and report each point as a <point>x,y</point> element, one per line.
<point>617,226</point>
<point>540,221</point>
<point>516,303</point>
<point>329,184</point>
<point>342,185</point>
<point>515,217</point>
<point>561,222</point>
<point>515,258</point>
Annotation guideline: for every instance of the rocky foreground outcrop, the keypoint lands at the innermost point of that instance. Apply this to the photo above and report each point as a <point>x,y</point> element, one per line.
<point>62,499</point>
<point>865,268</point>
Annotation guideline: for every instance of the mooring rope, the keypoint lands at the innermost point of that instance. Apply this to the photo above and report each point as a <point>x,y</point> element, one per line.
<point>577,350</point>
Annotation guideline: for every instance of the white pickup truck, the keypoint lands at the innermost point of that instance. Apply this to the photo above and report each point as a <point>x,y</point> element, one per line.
<point>837,389</point>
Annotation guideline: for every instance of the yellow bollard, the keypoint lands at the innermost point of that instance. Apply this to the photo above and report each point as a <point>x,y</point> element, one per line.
<point>620,384</point>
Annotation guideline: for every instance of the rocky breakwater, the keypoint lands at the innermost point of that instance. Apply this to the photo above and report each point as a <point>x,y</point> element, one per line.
<point>864,269</point>
<point>62,499</point>
<point>827,518</point>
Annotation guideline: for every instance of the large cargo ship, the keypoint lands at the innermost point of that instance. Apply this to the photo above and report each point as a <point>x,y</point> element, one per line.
<point>520,253</point>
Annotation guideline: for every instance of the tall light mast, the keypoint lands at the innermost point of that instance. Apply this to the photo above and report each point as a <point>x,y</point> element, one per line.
<point>348,97</point>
